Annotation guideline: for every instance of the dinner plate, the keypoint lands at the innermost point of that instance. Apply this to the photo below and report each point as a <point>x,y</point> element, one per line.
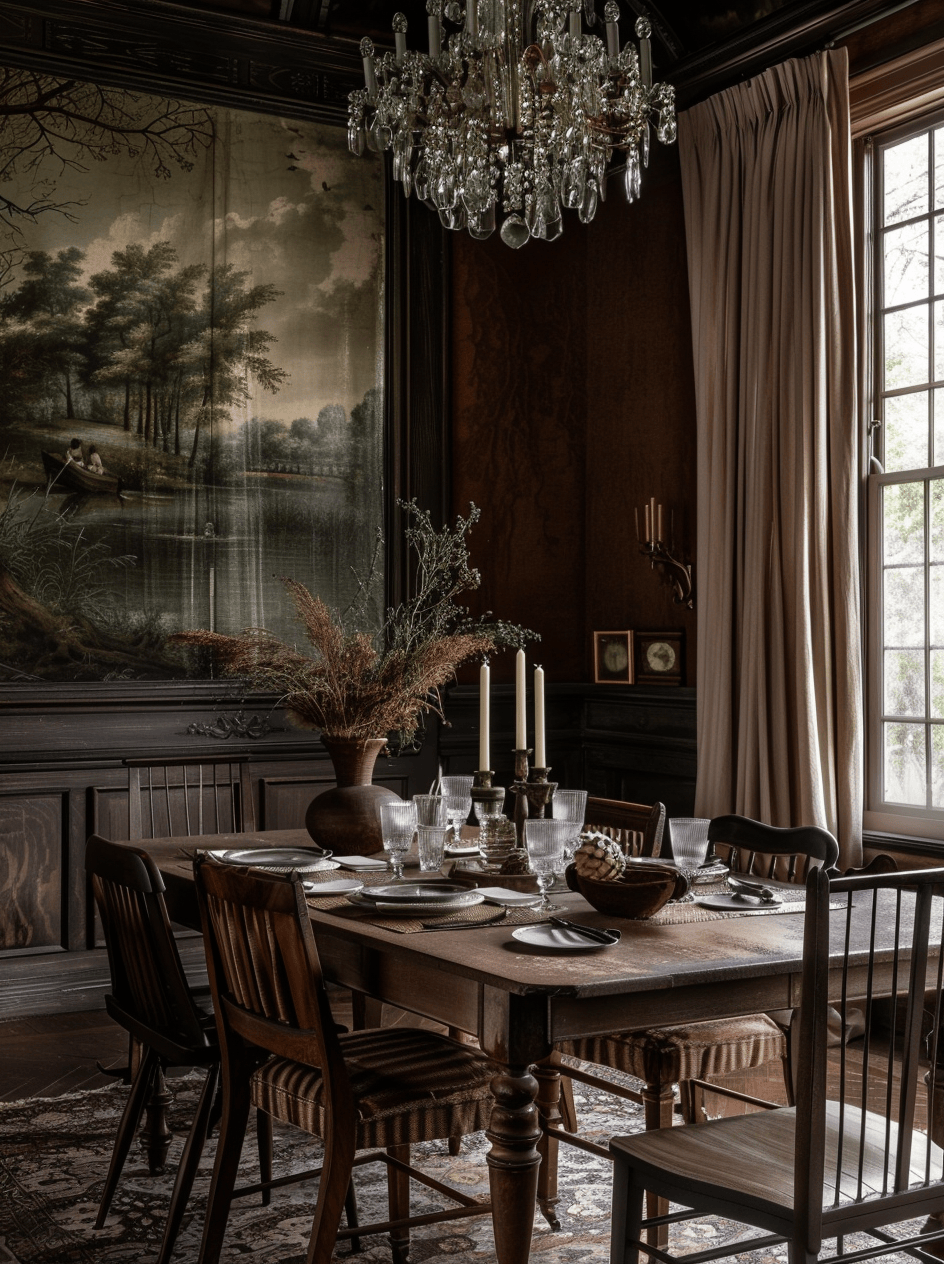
<point>417,892</point>
<point>340,886</point>
<point>556,939</point>
<point>731,903</point>
<point>278,859</point>
<point>420,908</point>
<point>362,862</point>
<point>711,873</point>
<point>511,899</point>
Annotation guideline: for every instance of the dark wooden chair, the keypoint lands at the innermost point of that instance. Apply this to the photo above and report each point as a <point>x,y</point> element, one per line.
<point>188,796</point>
<point>379,1089</point>
<point>823,1168</point>
<point>692,1054</point>
<point>637,827</point>
<point>151,999</point>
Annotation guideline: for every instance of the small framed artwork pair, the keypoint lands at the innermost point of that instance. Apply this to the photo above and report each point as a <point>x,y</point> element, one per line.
<point>640,658</point>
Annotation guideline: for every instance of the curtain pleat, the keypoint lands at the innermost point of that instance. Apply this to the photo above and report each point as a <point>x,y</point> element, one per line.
<point>768,212</point>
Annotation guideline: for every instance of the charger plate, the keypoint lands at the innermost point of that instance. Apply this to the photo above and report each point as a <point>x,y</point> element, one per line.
<point>276,859</point>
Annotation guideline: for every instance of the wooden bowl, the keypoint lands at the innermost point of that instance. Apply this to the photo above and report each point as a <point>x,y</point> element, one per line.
<point>639,893</point>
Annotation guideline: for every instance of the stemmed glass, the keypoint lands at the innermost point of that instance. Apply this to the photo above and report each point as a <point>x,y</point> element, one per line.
<point>570,806</point>
<point>545,840</point>
<point>457,793</point>
<point>689,837</point>
<point>398,826</point>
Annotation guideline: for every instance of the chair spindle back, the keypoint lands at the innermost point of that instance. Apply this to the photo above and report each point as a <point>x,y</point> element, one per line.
<point>869,1145</point>
<point>768,851</point>
<point>182,797</point>
<point>637,827</point>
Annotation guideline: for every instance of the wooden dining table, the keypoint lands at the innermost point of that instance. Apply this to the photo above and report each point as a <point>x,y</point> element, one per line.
<point>519,1001</point>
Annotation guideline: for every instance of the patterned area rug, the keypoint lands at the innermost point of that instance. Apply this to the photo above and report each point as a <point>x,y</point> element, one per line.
<point>54,1153</point>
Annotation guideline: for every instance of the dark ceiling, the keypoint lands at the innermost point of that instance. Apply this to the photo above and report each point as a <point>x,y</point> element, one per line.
<point>699,45</point>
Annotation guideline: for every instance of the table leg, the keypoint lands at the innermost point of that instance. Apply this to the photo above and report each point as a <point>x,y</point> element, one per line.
<point>513,1162</point>
<point>548,1103</point>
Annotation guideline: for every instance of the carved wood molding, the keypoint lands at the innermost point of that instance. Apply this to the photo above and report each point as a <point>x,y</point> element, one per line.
<point>172,49</point>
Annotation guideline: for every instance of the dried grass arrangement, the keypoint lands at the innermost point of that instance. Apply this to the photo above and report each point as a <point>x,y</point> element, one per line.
<point>365,684</point>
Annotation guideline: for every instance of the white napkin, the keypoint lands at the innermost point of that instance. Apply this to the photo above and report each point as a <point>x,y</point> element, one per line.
<point>361,862</point>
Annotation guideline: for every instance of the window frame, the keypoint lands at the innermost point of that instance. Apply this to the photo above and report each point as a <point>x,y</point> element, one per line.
<point>881,815</point>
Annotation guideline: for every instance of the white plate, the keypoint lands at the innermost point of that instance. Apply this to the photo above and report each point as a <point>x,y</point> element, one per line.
<point>417,893</point>
<point>278,859</point>
<point>341,886</point>
<point>556,939</point>
<point>511,899</point>
<point>735,903</point>
<point>421,908</point>
<point>361,862</point>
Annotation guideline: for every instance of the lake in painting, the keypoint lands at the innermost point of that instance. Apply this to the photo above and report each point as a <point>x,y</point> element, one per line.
<point>191,331</point>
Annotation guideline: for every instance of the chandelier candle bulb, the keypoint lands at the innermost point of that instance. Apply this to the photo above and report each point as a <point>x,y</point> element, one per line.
<point>370,77</point>
<point>485,677</point>
<point>643,31</point>
<point>434,29</point>
<point>611,13</point>
<point>399,36</point>
<point>521,690</point>
<point>540,756</point>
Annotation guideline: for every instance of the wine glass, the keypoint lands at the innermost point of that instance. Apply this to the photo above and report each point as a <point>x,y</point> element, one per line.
<point>689,838</point>
<point>571,806</point>
<point>457,793</point>
<point>545,840</point>
<point>397,826</point>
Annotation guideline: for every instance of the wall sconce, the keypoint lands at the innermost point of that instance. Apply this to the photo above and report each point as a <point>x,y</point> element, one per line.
<point>660,554</point>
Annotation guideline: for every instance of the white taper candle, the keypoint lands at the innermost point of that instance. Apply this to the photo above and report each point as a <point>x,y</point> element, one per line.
<point>521,695</point>
<point>485,677</point>
<point>540,756</point>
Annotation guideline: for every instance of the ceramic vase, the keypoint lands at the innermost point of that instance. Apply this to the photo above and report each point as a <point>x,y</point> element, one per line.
<point>346,819</point>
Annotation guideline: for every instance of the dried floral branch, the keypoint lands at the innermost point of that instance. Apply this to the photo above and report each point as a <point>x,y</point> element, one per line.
<point>363,684</point>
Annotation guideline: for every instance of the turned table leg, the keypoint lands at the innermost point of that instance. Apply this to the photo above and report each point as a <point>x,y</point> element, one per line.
<point>513,1162</point>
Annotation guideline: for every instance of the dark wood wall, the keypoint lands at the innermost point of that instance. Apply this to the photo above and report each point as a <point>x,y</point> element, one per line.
<point>572,404</point>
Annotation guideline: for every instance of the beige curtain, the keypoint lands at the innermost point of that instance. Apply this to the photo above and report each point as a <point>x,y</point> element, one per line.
<point>767,186</point>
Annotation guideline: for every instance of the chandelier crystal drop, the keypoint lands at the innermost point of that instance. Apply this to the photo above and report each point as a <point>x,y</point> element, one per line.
<point>518,113</point>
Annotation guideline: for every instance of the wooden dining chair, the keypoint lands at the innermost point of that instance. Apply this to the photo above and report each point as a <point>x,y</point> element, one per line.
<point>150,998</point>
<point>378,1090</point>
<point>637,827</point>
<point>851,1156</point>
<point>690,1055</point>
<point>183,797</point>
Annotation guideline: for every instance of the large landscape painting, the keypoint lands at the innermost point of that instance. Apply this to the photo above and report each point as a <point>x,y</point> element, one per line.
<point>191,308</point>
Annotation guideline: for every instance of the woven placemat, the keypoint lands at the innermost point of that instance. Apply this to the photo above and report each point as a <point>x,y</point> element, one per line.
<point>464,919</point>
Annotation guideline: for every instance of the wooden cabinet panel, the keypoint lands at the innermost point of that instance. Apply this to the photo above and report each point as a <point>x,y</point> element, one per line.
<point>284,800</point>
<point>31,871</point>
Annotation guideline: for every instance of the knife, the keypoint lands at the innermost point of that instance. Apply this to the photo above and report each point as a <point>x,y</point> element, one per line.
<point>590,932</point>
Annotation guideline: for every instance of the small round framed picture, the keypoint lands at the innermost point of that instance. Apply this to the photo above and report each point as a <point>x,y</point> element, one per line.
<point>660,658</point>
<point>613,658</point>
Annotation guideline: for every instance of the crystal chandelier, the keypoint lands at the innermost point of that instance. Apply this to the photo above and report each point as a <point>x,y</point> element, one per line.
<point>518,112</point>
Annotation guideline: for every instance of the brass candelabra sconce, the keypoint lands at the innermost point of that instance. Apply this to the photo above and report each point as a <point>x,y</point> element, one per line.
<point>662,555</point>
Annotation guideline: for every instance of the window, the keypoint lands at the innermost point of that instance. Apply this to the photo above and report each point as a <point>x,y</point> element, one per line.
<point>906,483</point>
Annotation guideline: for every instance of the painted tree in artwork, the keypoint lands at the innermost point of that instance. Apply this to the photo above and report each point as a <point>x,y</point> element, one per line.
<point>232,354</point>
<point>48,303</point>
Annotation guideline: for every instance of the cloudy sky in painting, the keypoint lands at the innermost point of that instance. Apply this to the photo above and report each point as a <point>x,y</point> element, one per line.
<point>284,202</point>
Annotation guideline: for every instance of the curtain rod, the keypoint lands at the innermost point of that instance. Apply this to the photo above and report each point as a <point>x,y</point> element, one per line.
<point>870,21</point>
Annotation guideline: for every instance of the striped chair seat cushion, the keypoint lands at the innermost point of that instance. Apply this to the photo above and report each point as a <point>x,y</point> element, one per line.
<point>408,1085</point>
<point>694,1051</point>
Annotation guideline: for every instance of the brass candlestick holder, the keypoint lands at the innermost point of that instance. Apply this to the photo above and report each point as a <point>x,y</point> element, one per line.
<point>678,573</point>
<point>532,790</point>
<point>488,800</point>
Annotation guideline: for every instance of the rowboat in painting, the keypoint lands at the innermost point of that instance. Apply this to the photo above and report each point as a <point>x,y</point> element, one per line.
<point>68,477</point>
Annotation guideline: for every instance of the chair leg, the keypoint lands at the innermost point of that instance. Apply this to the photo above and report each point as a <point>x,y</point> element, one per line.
<point>398,1200</point>
<point>454,1144</point>
<point>128,1126</point>
<point>350,1215</point>
<point>658,1103</point>
<point>189,1162</point>
<point>626,1217</point>
<point>228,1153</point>
<point>264,1147</point>
<point>548,1076</point>
<point>332,1197</point>
<point>568,1107</point>
<point>692,1098</point>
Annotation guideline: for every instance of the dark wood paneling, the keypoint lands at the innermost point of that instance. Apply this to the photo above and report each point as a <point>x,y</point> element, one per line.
<point>31,871</point>
<point>285,800</point>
